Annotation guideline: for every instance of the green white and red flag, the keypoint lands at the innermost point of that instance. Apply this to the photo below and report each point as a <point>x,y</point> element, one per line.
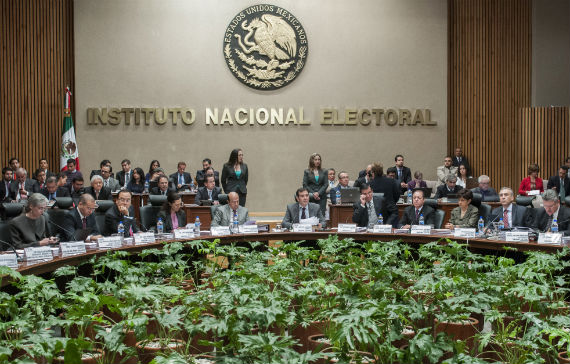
<point>68,142</point>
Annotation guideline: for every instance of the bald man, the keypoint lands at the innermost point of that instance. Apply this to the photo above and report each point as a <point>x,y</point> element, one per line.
<point>223,215</point>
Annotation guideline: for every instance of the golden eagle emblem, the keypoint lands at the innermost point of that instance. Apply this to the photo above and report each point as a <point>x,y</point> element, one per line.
<point>265,47</point>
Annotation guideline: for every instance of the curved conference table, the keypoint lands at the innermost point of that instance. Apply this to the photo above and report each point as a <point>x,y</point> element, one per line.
<point>41,267</point>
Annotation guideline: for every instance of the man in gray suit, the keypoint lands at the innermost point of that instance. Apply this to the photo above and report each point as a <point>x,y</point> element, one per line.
<point>109,181</point>
<point>512,214</point>
<point>302,209</point>
<point>223,215</point>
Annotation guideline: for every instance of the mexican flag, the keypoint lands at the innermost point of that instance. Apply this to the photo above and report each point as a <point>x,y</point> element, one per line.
<point>68,142</point>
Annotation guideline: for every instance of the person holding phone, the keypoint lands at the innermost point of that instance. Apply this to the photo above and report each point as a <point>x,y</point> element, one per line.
<point>31,228</point>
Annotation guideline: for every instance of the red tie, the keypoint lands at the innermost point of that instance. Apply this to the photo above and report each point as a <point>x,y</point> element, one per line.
<point>84,220</point>
<point>506,218</point>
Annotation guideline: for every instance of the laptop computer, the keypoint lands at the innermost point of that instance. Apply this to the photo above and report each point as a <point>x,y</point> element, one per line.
<point>205,203</point>
<point>349,195</point>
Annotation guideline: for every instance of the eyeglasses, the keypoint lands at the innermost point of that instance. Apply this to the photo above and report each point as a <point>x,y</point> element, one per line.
<point>125,199</point>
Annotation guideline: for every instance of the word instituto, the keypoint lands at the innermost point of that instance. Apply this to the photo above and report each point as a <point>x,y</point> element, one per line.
<point>242,116</point>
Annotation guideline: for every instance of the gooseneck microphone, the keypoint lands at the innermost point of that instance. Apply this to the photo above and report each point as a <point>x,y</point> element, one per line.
<point>18,257</point>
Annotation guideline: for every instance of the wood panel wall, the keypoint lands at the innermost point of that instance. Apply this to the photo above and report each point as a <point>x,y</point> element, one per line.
<point>489,75</point>
<point>543,139</point>
<point>36,63</point>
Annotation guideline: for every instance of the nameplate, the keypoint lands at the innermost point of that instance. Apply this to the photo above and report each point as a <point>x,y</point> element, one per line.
<point>111,242</point>
<point>72,248</point>
<point>346,228</point>
<point>38,253</point>
<point>464,232</point>
<point>382,229</point>
<point>248,229</point>
<point>421,230</point>
<point>144,238</point>
<point>220,230</point>
<point>9,260</point>
<point>184,233</point>
<point>302,228</point>
<point>517,236</point>
<point>550,238</point>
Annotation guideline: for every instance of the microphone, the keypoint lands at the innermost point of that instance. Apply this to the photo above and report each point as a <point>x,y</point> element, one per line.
<point>18,257</point>
<point>72,233</point>
<point>490,222</point>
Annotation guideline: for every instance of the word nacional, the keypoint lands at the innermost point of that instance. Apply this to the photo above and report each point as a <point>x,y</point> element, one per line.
<point>258,116</point>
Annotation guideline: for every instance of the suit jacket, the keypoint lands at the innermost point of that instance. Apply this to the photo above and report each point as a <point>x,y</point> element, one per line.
<point>554,181</point>
<point>5,191</point>
<point>525,186</point>
<point>230,181</point>
<point>25,232</point>
<point>311,183</point>
<point>186,176</point>
<point>360,180</point>
<point>76,195</point>
<point>104,194</point>
<point>406,174</point>
<point>113,217</point>
<point>389,187</point>
<point>456,163</point>
<point>202,194</point>
<point>469,220</point>
<point>201,178</point>
<point>487,195</point>
<point>167,220</point>
<point>30,185</point>
<point>156,191</point>
<point>223,215</point>
<point>113,184</point>
<point>443,191</point>
<point>98,173</point>
<point>48,174</point>
<point>541,220</point>
<point>409,216</point>
<point>292,214</point>
<point>72,222</point>
<point>360,214</point>
<point>443,172</point>
<point>60,192</point>
<point>521,215</point>
<point>121,177</point>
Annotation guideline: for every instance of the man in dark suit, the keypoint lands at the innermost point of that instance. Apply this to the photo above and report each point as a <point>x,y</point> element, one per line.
<point>460,159</point>
<point>181,179</point>
<point>7,176</point>
<point>80,218</point>
<point>76,189</point>
<point>121,212</point>
<point>484,189</point>
<point>560,183</point>
<point>366,211</point>
<point>382,184</point>
<point>450,187</point>
<point>163,187</point>
<point>71,172</point>
<point>208,192</point>
<point>412,213</point>
<point>126,174</point>
<point>403,173</point>
<point>14,163</point>
<point>201,175</point>
<point>97,190</point>
<point>364,176</point>
<point>51,191</point>
<point>104,162</point>
<point>41,179</point>
<point>552,210</point>
<point>22,187</point>
<point>302,209</point>
<point>342,183</point>
<point>512,214</point>
<point>108,180</point>
<point>43,167</point>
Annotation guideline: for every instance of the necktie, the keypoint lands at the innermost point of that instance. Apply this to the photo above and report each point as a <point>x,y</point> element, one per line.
<point>303,215</point>
<point>84,220</point>
<point>106,183</point>
<point>417,214</point>
<point>562,190</point>
<point>180,179</point>
<point>549,223</point>
<point>164,193</point>
<point>50,196</point>
<point>506,218</point>
<point>209,195</point>
<point>399,174</point>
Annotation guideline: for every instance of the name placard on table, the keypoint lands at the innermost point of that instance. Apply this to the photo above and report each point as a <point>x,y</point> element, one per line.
<point>346,228</point>
<point>220,230</point>
<point>183,233</point>
<point>110,242</point>
<point>38,253</point>
<point>9,260</point>
<point>248,229</point>
<point>550,238</point>
<point>144,238</point>
<point>464,232</point>
<point>382,229</point>
<point>517,236</point>
<point>72,248</point>
<point>302,228</point>
<point>420,230</point>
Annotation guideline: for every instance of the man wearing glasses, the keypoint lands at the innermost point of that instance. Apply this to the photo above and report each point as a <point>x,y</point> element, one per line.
<point>122,211</point>
<point>445,170</point>
<point>80,219</point>
<point>487,192</point>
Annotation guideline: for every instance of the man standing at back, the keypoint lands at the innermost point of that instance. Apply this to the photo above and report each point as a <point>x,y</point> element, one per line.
<point>560,183</point>
<point>126,174</point>
<point>445,170</point>
<point>403,173</point>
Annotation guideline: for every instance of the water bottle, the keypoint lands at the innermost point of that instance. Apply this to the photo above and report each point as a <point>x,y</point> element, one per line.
<point>501,224</point>
<point>421,220</point>
<point>481,225</point>
<point>554,226</point>
<point>159,226</point>
<point>197,225</point>
<point>121,228</point>
<point>410,195</point>
<point>338,197</point>
<point>146,185</point>
<point>235,224</point>
<point>380,219</point>
<point>191,185</point>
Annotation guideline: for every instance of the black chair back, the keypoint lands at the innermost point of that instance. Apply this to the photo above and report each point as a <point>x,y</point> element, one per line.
<point>157,200</point>
<point>148,216</point>
<point>223,198</point>
<point>103,206</point>
<point>439,216</point>
<point>524,200</point>
<point>57,217</point>
<point>477,198</point>
<point>63,202</point>
<point>11,209</point>
<point>5,235</point>
<point>485,211</point>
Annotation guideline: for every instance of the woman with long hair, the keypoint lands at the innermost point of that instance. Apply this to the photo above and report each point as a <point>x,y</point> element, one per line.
<point>136,184</point>
<point>315,180</point>
<point>235,175</point>
<point>153,165</point>
<point>172,213</point>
